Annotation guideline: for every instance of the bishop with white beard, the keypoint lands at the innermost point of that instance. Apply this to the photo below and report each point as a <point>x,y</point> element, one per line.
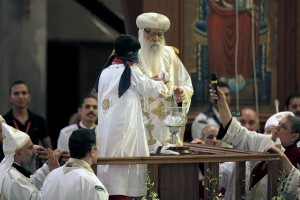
<point>155,58</point>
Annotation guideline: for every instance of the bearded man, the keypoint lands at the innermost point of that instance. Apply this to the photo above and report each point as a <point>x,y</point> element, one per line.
<point>17,180</point>
<point>155,60</point>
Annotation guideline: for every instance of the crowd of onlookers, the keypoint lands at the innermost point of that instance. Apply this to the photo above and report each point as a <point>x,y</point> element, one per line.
<point>205,129</point>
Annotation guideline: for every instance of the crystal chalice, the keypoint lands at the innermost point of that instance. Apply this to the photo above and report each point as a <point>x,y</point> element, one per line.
<point>174,118</point>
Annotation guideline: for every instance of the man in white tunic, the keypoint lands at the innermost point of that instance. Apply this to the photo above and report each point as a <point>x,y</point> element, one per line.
<point>122,134</point>
<point>76,180</point>
<point>156,58</point>
<point>227,177</point>
<point>240,137</point>
<point>16,181</point>
<point>88,112</point>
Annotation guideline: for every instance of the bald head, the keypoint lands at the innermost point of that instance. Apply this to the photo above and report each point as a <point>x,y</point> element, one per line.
<point>249,119</point>
<point>209,135</point>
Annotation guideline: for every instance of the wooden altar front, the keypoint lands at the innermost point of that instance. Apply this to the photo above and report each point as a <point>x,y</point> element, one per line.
<point>176,177</point>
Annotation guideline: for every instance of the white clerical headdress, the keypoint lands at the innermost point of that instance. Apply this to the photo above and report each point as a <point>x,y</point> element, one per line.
<point>153,20</point>
<point>274,119</point>
<point>13,139</point>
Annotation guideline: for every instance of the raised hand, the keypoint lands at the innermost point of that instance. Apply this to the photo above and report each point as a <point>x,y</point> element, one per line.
<point>53,157</point>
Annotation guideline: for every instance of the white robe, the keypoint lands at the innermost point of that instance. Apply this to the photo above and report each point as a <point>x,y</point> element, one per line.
<point>121,128</point>
<point>227,178</point>
<point>178,75</point>
<point>16,186</point>
<point>290,185</point>
<point>241,138</point>
<point>73,184</point>
<point>64,135</point>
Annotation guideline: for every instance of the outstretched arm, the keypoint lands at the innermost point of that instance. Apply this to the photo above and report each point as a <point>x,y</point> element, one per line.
<point>225,114</point>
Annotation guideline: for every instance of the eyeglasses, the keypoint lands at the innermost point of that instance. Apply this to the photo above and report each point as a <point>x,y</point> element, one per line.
<point>153,33</point>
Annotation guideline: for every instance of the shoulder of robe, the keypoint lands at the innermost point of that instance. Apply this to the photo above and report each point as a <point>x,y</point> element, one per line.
<point>14,174</point>
<point>175,50</point>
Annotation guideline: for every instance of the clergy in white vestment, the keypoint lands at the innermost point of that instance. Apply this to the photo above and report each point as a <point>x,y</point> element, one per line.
<point>227,172</point>
<point>16,179</point>
<point>156,58</point>
<point>232,132</point>
<point>76,180</point>
<point>88,112</point>
<point>120,86</point>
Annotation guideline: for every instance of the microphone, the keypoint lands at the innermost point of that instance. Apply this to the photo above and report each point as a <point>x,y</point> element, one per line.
<point>214,82</point>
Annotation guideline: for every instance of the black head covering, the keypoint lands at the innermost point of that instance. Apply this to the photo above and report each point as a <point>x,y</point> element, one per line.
<point>126,48</point>
<point>125,44</point>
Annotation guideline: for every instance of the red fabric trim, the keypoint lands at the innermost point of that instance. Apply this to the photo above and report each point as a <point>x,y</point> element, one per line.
<point>117,60</point>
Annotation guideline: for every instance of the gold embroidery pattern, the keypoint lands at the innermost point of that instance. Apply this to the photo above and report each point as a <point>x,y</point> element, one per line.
<point>149,127</point>
<point>106,104</point>
<point>167,63</point>
<point>170,65</point>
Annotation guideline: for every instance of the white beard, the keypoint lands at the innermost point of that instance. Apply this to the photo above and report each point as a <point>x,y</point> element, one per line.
<point>151,55</point>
